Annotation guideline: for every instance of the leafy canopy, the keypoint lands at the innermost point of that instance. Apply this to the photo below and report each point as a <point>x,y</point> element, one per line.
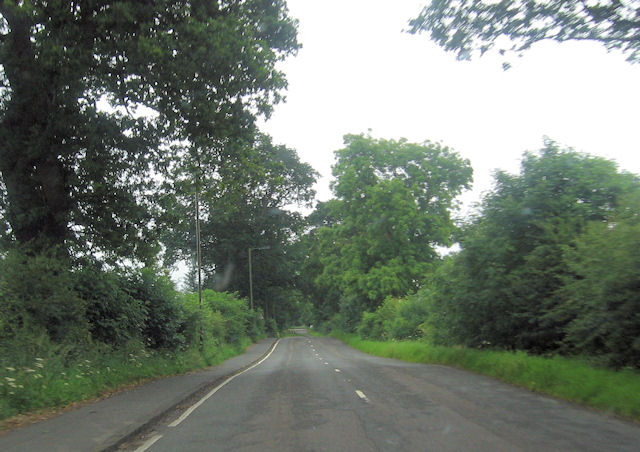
<point>602,297</point>
<point>470,26</point>
<point>73,170</point>
<point>503,287</point>
<point>392,209</point>
<point>245,203</point>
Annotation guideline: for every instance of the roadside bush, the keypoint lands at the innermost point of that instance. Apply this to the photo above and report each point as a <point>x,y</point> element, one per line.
<point>379,324</point>
<point>256,326</point>
<point>114,316</point>
<point>411,314</point>
<point>395,319</point>
<point>285,305</point>
<point>201,321</point>
<point>337,322</point>
<point>602,299</point>
<point>271,327</point>
<point>165,314</point>
<point>234,310</point>
<point>37,293</point>
<point>370,326</point>
<point>224,317</point>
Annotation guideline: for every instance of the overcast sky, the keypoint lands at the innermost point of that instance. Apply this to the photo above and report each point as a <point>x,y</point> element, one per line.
<point>357,71</point>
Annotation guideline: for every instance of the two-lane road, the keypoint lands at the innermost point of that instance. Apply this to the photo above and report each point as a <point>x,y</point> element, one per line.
<point>318,394</point>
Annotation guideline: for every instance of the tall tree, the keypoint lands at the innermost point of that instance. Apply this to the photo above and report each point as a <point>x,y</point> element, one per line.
<point>470,26</point>
<point>393,204</point>
<point>503,287</point>
<point>245,204</point>
<point>163,70</point>
<point>324,294</point>
<point>601,297</point>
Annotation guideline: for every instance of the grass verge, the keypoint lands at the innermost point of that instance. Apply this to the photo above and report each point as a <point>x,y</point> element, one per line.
<point>61,376</point>
<point>615,392</point>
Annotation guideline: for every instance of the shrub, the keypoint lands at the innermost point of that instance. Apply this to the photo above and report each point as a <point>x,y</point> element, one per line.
<point>378,324</point>
<point>234,310</point>
<point>410,316</point>
<point>200,321</point>
<point>113,314</point>
<point>37,292</point>
<point>224,317</point>
<point>165,314</point>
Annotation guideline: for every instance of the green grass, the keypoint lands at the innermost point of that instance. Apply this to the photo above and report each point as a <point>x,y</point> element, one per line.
<point>58,375</point>
<point>615,392</point>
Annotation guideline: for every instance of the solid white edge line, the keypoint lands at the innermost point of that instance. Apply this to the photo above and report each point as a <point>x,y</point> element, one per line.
<point>148,443</point>
<point>193,407</point>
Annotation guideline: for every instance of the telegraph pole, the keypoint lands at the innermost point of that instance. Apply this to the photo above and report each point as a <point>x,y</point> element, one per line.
<point>199,249</point>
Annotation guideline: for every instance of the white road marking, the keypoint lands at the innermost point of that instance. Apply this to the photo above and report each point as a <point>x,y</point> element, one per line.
<point>326,363</point>
<point>337,370</point>
<point>214,390</point>
<point>361,395</point>
<point>148,443</point>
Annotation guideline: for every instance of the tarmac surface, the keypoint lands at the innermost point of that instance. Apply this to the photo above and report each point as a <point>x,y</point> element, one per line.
<point>316,394</point>
<point>104,425</point>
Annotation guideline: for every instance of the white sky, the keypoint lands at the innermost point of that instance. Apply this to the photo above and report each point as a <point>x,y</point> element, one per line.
<point>358,71</point>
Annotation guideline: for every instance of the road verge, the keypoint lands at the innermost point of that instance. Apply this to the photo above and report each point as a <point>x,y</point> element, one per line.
<point>611,391</point>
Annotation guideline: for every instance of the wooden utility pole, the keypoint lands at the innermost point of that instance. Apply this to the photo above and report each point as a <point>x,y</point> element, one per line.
<point>199,252</point>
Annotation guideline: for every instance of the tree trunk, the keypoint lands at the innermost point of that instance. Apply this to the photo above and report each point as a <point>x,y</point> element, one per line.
<point>30,143</point>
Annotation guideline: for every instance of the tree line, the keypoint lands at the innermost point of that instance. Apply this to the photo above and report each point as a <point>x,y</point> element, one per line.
<point>114,117</point>
<point>548,262</point>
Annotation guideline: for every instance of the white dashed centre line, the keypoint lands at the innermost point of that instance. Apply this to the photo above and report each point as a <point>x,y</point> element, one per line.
<point>361,395</point>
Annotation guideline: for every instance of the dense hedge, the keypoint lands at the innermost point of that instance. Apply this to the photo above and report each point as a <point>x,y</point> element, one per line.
<point>85,305</point>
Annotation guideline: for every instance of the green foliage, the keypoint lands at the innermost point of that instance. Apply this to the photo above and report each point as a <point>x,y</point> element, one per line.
<point>603,293</point>
<point>549,264</point>
<point>36,373</point>
<point>201,322</point>
<point>73,174</point>
<point>165,314</point>
<point>454,313</point>
<point>408,323</point>
<point>392,210</point>
<point>324,297</point>
<point>37,293</point>
<point>233,310</point>
<point>223,317</point>
<point>395,319</point>
<point>106,110</point>
<point>468,27</point>
<point>244,205</point>
<point>114,316</point>
<point>503,287</point>
<point>377,325</point>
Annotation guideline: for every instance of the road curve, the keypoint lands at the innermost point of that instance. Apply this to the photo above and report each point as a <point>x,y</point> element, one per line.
<point>316,394</point>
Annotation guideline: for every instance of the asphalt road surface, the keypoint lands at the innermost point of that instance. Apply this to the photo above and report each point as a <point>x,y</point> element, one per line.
<point>316,394</point>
